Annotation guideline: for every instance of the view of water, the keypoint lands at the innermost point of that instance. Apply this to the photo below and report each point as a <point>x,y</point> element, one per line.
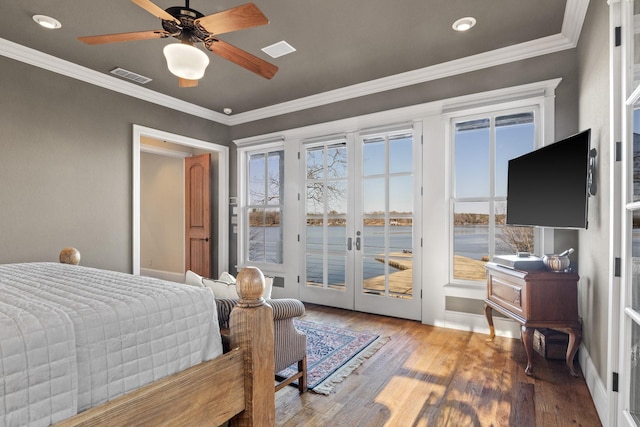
<point>469,241</point>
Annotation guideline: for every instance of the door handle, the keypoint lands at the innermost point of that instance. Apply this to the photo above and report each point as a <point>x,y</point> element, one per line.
<point>206,239</point>
<point>349,243</point>
<point>358,243</point>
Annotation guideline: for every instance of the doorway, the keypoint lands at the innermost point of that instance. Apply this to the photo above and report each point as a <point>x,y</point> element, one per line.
<point>221,153</point>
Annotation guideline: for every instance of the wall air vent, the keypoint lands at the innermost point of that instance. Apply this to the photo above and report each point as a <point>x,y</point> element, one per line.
<point>130,75</point>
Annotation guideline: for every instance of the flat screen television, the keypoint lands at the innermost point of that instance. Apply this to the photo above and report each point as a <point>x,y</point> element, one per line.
<point>549,187</point>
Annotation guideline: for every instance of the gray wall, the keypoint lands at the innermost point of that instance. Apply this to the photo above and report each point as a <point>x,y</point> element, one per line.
<point>594,242</point>
<point>66,165</point>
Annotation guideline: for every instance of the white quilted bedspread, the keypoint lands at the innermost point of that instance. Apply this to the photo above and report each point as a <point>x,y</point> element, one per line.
<point>73,337</point>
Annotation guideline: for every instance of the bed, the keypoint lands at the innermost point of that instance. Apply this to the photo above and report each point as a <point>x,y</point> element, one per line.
<point>83,346</point>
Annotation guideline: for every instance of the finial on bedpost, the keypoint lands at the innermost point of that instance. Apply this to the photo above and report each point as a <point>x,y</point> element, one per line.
<point>251,326</point>
<point>70,256</point>
<point>250,285</point>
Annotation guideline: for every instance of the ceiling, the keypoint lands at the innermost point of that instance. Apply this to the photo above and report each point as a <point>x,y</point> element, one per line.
<point>341,46</point>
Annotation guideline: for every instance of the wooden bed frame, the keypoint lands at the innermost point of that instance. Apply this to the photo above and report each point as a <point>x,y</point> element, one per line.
<point>237,386</point>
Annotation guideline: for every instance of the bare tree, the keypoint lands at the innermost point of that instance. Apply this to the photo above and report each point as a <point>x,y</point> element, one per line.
<point>321,191</point>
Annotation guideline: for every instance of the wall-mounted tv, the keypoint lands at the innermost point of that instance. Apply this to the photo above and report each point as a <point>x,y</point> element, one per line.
<point>549,187</point>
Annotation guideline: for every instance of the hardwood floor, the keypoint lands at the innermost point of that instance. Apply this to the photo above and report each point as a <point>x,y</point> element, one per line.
<point>428,376</point>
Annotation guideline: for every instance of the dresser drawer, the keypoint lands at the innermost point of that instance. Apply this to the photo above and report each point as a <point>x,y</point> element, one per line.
<point>506,294</point>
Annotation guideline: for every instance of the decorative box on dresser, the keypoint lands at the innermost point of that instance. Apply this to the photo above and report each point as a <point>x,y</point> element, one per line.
<point>535,299</point>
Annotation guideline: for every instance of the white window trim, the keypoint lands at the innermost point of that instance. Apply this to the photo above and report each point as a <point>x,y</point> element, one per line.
<point>545,134</point>
<point>242,250</point>
<point>490,113</point>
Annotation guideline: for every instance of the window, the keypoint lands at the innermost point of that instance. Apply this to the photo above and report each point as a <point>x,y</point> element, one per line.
<point>263,207</point>
<point>482,147</point>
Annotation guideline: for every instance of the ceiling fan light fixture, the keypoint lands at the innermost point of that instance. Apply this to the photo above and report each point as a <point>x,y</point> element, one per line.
<point>464,24</point>
<point>186,61</point>
<point>47,22</point>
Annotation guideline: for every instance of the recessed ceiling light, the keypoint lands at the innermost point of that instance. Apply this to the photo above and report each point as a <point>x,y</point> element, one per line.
<point>464,24</point>
<point>47,22</point>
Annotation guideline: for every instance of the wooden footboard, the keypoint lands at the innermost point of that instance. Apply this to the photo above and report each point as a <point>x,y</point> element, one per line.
<point>237,385</point>
<point>183,399</point>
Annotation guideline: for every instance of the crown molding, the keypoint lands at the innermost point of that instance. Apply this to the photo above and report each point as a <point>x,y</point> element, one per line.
<point>575,12</point>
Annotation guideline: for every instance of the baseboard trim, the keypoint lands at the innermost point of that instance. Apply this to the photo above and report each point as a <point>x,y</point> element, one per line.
<point>595,385</point>
<point>164,275</point>
<point>474,323</point>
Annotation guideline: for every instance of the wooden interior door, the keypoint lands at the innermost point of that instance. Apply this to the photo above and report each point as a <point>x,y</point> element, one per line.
<point>198,214</point>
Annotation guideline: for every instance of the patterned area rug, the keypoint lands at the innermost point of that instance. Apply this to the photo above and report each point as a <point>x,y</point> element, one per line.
<point>333,353</point>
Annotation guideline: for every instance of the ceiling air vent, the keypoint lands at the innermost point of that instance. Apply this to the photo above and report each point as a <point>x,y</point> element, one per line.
<point>130,75</point>
<point>279,49</point>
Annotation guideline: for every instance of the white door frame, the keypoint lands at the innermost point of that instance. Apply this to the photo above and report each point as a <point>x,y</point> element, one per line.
<point>222,179</point>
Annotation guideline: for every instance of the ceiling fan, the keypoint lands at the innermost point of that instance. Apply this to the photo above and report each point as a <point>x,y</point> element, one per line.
<point>191,27</point>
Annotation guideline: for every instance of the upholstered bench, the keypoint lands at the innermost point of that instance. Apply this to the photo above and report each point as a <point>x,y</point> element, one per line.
<point>290,344</point>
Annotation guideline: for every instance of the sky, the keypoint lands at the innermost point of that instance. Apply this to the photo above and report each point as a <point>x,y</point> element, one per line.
<point>472,161</point>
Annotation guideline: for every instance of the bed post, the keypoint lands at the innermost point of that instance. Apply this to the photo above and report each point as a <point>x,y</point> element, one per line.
<point>251,327</point>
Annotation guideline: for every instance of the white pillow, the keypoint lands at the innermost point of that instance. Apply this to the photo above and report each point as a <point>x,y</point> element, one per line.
<point>222,289</point>
<point>193,279</point>
<point>268,286</point>
<point>226,277</point>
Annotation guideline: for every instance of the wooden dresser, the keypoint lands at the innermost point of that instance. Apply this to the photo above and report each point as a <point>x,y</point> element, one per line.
<point>535,299</point>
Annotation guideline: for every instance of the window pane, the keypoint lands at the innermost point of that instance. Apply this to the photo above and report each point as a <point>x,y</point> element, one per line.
<point>401,154</point>
<point>373,236</point>
<point>336,236</point>
<point>337,197</point>
<point>265,235</point>
<point>373,197</point>
<point>314,270</point>
<point>514,137</point>
<point>374,276</point>
<point>472,165</point>
<point>275,177</point>
<point>470,240</point>
<point>337,161</point>
<point>374,157</point>
<point>314,232</point>
<point>256,192</point>
<point>336,267</point>
<point>315,198</point>
<point>510,240</point>
<point>401,194</point>
<point>315,163</point>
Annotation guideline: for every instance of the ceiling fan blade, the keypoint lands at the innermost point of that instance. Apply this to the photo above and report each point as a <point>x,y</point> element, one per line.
<point>155,10</point>
<point>242,58</point>
<point>124,37</point>
<point>187,83</point>
<point>237,18</point>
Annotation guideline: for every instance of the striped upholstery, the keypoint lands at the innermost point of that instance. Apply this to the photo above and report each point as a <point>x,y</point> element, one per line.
<point>289,343</point>
<point>283,308</point>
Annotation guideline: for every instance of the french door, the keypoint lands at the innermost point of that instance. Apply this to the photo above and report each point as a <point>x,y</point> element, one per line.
<point>628,411</point>
<point>361,241</point>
